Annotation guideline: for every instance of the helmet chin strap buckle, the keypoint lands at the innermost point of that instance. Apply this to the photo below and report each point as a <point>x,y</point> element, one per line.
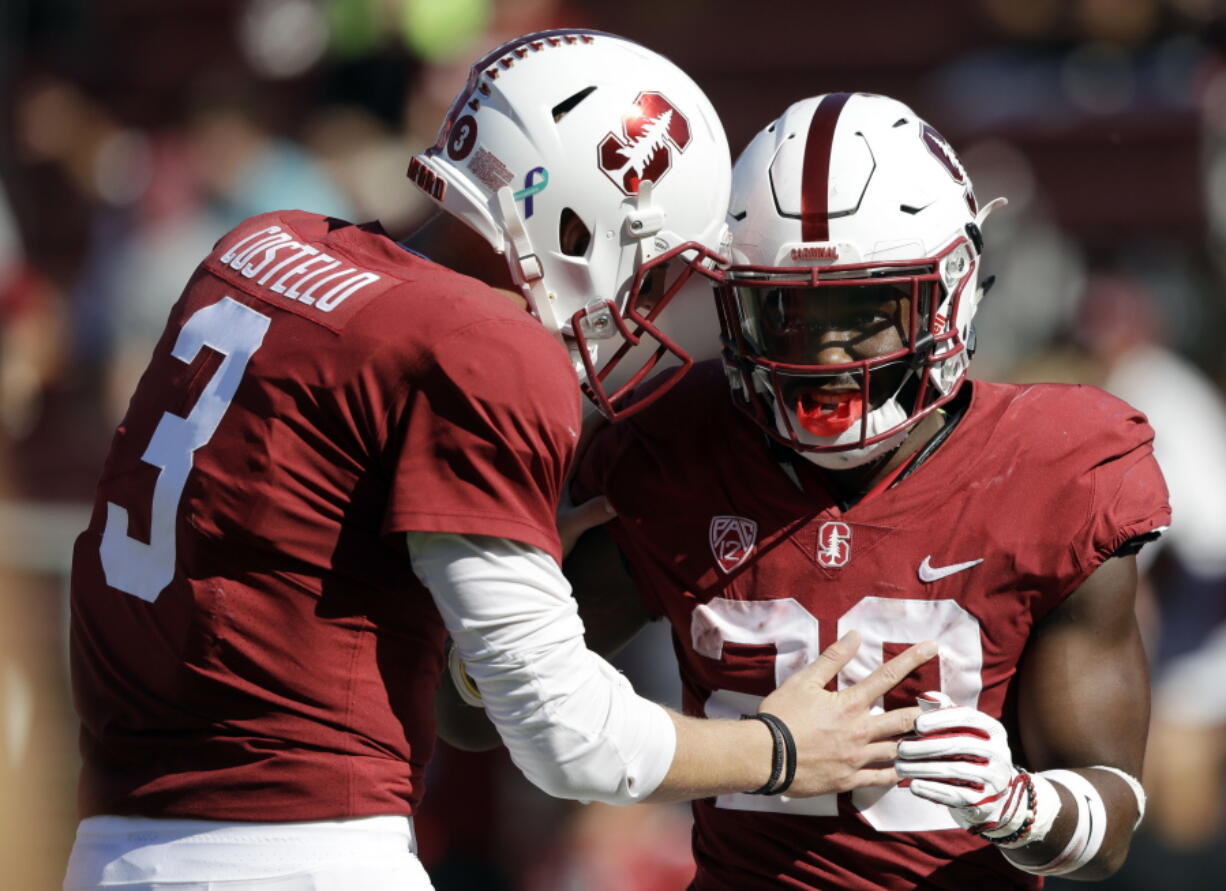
<point>530,268</point>
<point>527,266</point>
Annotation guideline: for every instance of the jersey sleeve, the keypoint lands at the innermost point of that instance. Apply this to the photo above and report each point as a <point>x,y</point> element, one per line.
<point>1127,495</point>
<point>1129,499</point>
<point>486,436</point>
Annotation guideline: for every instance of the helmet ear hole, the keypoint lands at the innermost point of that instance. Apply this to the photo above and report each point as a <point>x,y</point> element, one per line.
<point>573,234</point>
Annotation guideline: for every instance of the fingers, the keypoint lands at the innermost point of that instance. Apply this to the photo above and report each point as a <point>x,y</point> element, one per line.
<point>574,521</point>
<point>960,720</point>
<point>872,776</point>
<point>944,793</point>
<point>933,700</point>
<point>880,753</point>
<point>892,723</point>
<point>950,772</point>
<point>833,658</point>
<point>935,748</point>
<point>591,513</point>
<point>892,673</point>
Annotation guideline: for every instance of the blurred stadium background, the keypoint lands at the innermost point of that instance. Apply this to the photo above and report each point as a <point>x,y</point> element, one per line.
<point>135,132</point>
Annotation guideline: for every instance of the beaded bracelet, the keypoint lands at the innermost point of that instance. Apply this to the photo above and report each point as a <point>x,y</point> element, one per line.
<point>1023,830</point>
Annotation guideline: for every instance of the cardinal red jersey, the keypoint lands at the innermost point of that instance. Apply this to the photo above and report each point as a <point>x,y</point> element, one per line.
<point>248,639</point>
<point>1033,489</point>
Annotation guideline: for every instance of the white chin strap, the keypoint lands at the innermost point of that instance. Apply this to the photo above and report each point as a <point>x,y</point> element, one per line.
<point>891,414</point>
<point>525,265</point>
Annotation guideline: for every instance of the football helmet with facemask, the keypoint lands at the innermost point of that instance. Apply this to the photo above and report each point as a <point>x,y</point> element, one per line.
<point>849,197</point>
<point>602,173</point>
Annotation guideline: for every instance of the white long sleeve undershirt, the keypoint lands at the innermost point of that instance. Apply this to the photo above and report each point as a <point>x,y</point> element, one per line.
<point>571,722</point>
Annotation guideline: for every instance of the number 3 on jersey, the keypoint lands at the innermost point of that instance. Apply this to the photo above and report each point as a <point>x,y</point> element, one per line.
<point>792,630</point>
<point>236,331</point>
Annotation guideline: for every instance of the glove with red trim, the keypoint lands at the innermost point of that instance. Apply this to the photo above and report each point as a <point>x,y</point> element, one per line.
<point>960,758</point>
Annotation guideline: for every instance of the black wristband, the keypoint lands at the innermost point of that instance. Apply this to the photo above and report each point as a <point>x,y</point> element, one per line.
<point>783,756</point>
<point>789,745</point>
<point>778,755</point>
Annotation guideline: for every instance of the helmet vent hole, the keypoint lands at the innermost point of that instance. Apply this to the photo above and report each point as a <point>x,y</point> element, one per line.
<point>573,234</point>
<point>566,106</point>
<point>770,129</point>
<point>900,122</point>
<point>739,216</point>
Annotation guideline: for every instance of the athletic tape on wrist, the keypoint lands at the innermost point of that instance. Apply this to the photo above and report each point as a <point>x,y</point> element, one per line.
<point>1134,784</point>
<point>1088,832</point>
<point>464,684</point>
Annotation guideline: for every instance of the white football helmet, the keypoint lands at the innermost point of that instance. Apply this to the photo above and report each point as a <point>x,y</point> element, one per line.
<point>848,191</point>
<point>602,173</point>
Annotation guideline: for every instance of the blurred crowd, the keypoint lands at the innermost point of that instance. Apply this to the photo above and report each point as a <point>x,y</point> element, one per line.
<point>137,132</point>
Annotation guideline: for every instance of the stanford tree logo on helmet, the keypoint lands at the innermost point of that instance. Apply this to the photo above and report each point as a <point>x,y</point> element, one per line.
<point>643,151</point>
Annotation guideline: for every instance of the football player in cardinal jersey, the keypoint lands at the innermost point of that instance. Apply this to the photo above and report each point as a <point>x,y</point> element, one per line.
<point>256,646</point>
<point>854,478</point>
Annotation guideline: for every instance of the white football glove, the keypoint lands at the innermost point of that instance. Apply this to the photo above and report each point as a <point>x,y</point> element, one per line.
<point>960,758</point>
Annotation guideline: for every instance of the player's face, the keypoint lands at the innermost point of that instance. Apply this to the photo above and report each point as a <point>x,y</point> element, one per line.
<point>841,348</point>
<point>832,326</point>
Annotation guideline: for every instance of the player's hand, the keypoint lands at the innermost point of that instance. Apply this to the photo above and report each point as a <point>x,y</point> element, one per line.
<point>960,758</point>
<point>575,519</point>
<point>840,743</point>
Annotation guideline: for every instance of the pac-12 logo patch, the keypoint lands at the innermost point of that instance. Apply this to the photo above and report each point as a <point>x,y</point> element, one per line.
<point>833,544</point>
<point>732,540</point>
<point>650,132</point>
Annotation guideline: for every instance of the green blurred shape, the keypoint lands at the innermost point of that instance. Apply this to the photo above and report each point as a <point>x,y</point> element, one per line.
<point>355,26</point>
<point>441,30</point>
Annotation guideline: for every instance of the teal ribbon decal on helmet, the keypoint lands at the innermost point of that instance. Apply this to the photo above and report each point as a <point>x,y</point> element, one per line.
<point>531,188</point>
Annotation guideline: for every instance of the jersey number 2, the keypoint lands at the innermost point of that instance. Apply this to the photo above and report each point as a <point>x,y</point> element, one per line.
<point>792,630</point>
<point>236,331</point>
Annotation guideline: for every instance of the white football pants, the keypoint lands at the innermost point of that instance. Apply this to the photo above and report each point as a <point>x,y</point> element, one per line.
<point>143,854</point>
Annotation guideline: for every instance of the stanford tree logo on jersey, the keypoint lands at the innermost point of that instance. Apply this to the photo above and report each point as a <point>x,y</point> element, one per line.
<point>833,544</point>
<point>644,151</point>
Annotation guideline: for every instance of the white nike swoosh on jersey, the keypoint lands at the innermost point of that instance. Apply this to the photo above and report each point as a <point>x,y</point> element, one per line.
<point>930,573</point>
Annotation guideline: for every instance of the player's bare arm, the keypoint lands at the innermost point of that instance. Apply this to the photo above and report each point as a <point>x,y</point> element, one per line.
<point>1086,660</point>
<point>1083,714</point>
